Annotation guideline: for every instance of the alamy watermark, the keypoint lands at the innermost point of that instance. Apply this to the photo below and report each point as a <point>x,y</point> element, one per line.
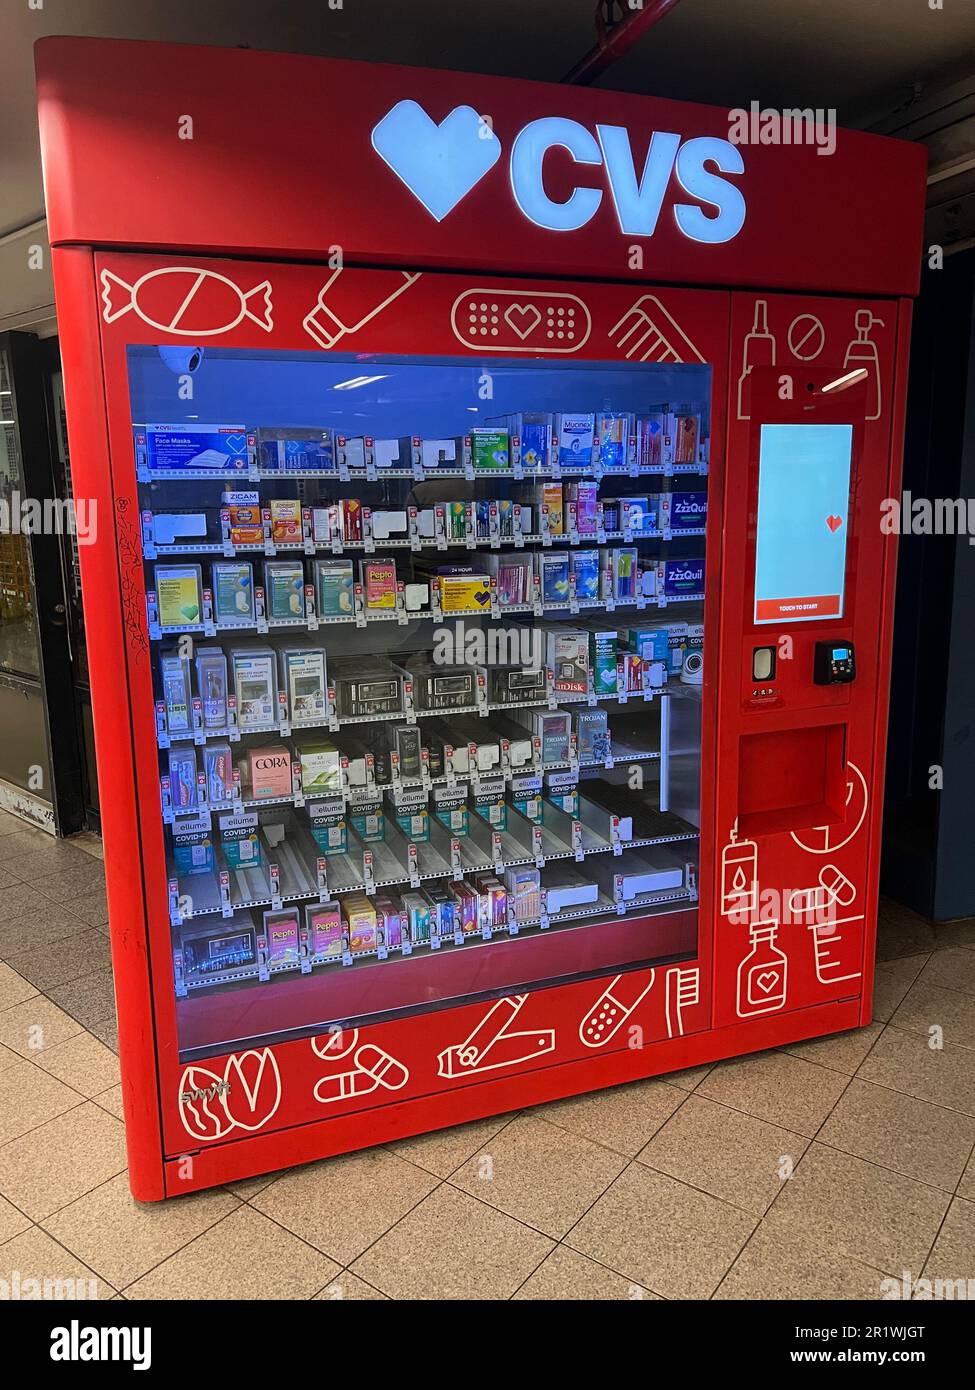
<point>908,515</point>
<point>791,126</point>
<point>49,516</point>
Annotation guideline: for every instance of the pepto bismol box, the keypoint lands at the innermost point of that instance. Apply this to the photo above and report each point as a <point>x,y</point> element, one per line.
<point>683,577</point>
<point>688,511</point>
<point>204,448</point>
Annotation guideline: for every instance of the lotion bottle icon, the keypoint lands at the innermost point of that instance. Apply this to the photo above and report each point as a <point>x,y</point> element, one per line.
<point>763,974</point>
<point>862,352</point>
<point>758,350</point>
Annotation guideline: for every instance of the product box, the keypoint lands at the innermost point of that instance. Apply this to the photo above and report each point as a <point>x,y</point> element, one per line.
<point>582,506</point>
<point>321,766</point>
<point>204,448</point>
<point>360,922</point>
<point>179,595</point>
<point>683,577</point>
<point>412,815</point>
<point>296,450</point>
<point>443,912</point>
<point>613,440</point>
<point>553,567</point>
<point>513,576</point>
<point>489,803</point>
<point>463,590</point>
<point>406,741</point>
<point>327,823</point>
<point>651,430</point>
<point>623,572</point>
<point>526,798</point>
<point>285,521</point>
<point>284,589</point>
<point>562,790</point>
<point>324,930</point>
<point>350,518</point>
<point>531,438</point>
<point>686,432</point>
<point>553,504</point>
<point>182,778</point>
<point>450,809</point>
<point>233,592</point>
<point>378,579</point>
<point>254,686</point>
<point>416,911</point>
<point>591,728</point>
<point>493,904</point>
<point>367,818</point>
<point>489,448</point>
<point>334,588</point>
<point>636,514</point>
<point>244,517</point>
<point>303,681</point>
<point>574,434</point>
<point>218,767</point>
<point>466,900</point>
<point>551,728</point>
<point>389,923</point>
<point>281,932</point>
<point>584,565</point>
<point>267,771</point>
<point>239,841</point>
<point>688,511</point>
<point>659,642</point>
<point>210,952</point>
<point>567,656</point>
<point>603,643</point>
<point>211,685</point>
<point>174,675</point>
<point>523,886</point>
<point>193,844</point>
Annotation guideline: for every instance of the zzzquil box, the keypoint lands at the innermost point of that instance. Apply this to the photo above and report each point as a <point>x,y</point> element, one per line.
<point>204,448</point>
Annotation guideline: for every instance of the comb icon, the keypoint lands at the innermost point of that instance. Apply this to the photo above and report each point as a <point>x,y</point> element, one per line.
<point>650,333</point>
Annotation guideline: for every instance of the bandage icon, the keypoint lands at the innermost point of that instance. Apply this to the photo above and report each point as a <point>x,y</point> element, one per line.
<point>537,321</point>
<point>350,298</point>
<point>613,1007</point>
<point>650,333</point>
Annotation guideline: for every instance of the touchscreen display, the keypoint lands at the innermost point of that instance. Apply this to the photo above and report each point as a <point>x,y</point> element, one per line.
<point>803,521</point>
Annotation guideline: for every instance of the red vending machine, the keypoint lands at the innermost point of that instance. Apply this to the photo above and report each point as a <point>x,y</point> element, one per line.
<point>489,616</point>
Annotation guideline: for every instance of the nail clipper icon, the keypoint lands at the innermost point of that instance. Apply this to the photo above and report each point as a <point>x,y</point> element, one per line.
<point>492,1045</point>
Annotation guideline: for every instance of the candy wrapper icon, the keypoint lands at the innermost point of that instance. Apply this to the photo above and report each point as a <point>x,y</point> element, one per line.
<point>186,300</point>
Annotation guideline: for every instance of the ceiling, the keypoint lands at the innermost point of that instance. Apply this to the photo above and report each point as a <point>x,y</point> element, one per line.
<point>867,60</point>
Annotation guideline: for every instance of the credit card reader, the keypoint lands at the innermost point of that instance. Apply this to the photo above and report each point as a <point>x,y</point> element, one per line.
<point>834,663</point>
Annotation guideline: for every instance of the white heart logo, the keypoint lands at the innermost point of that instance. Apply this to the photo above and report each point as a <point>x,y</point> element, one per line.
<point>522,319</point>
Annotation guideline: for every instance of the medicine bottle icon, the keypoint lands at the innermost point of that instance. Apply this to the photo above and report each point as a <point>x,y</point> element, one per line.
<point>763,974</point>
<point>758,350</point>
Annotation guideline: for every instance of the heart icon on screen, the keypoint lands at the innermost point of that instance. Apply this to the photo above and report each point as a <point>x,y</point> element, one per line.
<point>767,981</point>
<point>834,523</point>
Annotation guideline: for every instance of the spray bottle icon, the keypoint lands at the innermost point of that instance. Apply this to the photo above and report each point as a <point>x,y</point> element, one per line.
<point>758,350</point>
<point>862,352</point>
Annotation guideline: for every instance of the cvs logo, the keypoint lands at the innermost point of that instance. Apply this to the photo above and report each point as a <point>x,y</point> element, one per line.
<point>440,164</point>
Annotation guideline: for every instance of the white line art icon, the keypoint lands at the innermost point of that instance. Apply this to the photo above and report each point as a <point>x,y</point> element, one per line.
<point>739,876</point>
<point>323,322</point>
<point>833,887</point>
<point>757,350</point>
<point>806,337</point>
<point>763,974</point>
<point>371,1068</point>
<point>493,1043</point>
<point>613,1007</point>
<point>660,337</point>
<point>827,839</point>
<point>682,989</point>
<point>488,319</point>
<point>246,1096</point>
<point>861,354</point>
<point>186,300</point>
<point>828,955</point>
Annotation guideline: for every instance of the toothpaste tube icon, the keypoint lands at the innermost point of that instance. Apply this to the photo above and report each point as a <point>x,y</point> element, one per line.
<point>188,301</point>
<point>350,298</point>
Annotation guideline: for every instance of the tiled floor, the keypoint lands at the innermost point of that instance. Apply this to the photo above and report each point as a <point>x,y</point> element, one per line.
<point>811,1172</point>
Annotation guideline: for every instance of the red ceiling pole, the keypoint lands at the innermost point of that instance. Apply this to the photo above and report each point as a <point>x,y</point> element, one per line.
<point>613,43</point>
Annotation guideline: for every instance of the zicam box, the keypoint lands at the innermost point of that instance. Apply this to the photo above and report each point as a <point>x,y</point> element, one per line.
<point>204,448</point>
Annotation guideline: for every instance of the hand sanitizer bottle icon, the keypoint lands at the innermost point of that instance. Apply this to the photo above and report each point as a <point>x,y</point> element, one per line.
<point>763,973</point>
<point>862,352</point>
<point>758,350</point>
